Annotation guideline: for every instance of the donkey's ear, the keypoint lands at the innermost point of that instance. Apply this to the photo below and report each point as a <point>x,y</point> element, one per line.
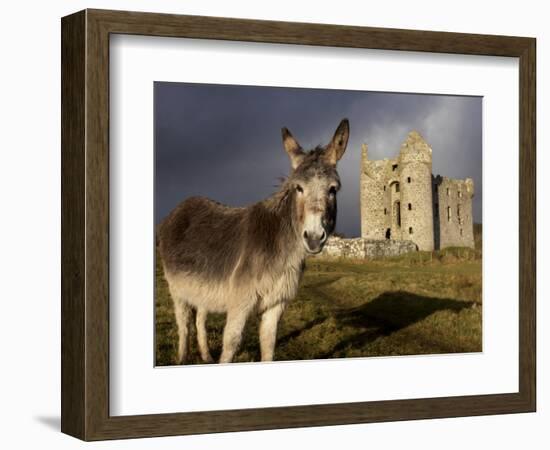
<point>292,148</point>
<point>339,142</point>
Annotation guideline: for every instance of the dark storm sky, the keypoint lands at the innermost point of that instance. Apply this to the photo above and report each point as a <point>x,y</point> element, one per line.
<point>224,142</point>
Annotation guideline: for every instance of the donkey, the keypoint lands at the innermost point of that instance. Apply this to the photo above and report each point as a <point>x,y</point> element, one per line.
<point>243,260</point>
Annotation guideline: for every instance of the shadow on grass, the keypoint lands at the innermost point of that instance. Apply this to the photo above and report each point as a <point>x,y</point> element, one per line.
<point>388,313</point>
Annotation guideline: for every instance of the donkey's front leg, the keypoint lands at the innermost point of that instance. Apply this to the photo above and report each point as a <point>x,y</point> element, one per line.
<point>202,338</point>
<point>268,330</point>
<point>232,334</point>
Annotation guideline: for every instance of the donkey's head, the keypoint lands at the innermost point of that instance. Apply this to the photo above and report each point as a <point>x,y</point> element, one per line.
<point>314,182</point>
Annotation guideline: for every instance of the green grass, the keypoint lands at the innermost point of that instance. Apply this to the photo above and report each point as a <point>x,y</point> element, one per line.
<point>419,303</point>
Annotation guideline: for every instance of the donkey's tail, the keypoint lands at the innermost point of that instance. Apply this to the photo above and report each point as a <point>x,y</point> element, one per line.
<point>158,230</point>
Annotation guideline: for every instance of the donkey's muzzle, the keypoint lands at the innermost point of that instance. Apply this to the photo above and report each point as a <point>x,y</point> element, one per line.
<point>314,241</point>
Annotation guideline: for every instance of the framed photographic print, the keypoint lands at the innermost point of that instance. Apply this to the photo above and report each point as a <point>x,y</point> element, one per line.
<point>270,224</point>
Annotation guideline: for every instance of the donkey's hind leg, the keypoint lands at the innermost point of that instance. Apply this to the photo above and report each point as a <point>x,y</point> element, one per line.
<point>202,337</point>
<point>232,334</point>
<point>182,311</point>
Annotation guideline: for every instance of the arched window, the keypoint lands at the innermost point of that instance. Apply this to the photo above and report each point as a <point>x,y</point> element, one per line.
<point>408,179</point>
<point>410,206</point>
<point>411,230</point>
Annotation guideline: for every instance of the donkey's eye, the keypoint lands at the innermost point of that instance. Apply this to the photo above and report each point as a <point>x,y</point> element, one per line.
<point>332,191</point>
<point>299,188</point>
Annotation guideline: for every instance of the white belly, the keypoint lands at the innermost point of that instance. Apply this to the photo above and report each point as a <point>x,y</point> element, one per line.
<point>222,296</point>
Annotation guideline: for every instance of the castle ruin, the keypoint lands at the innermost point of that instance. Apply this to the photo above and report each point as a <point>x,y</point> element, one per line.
<point>402,200</point>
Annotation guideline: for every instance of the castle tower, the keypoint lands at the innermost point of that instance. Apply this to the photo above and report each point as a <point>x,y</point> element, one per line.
<point>372,198</point>
<point>396,195</point>
<point>453,212</point>
<point>415,161</point>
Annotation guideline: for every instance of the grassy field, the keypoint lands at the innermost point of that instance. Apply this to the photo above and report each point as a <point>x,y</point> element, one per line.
<point>420,303</point>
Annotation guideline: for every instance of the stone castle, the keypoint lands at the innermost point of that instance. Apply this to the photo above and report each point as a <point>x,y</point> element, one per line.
<point>402,200</point>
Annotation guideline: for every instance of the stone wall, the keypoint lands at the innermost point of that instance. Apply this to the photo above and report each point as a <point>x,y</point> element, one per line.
<point>366,248</point>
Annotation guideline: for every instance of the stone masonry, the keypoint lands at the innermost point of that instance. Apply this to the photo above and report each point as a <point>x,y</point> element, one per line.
<point>361,248</point>
<point>402,201</point>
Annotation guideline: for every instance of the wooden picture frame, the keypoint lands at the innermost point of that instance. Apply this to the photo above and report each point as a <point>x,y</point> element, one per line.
<point>85,224</point>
